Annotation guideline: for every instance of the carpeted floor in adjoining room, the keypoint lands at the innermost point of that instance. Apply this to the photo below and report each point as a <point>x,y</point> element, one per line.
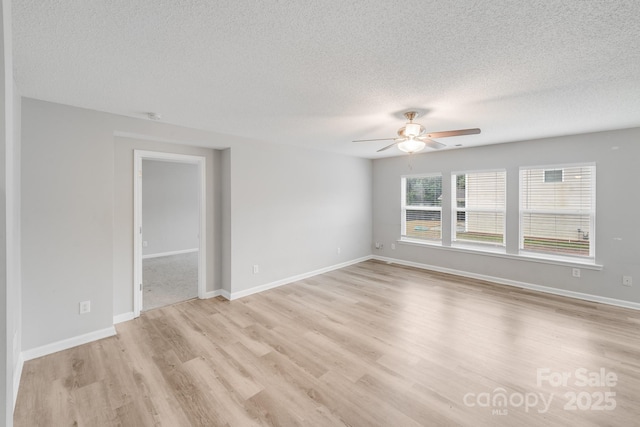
<point>169,279</point>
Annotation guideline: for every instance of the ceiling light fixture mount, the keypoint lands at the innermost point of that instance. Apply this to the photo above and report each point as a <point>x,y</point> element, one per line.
<point>154,116</point>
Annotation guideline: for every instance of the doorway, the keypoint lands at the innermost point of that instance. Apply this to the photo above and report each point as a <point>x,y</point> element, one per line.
<point>169,220</point>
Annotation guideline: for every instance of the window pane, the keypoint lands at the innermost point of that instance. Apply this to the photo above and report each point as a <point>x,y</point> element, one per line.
<point>481,190</point>
<point>424,191</point>
<point>481,227</point>
<point>423,224</point>
<point>572,193</point>
<point>553,175</point>
<point>479,208</point>
<point>557,233</point>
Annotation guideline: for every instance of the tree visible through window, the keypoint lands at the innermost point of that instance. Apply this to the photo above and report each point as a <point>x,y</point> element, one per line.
<point>421,207</point>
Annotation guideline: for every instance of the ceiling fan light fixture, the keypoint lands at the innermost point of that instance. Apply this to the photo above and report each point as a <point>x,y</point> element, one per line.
<point>411,145</point>
<point>413,137</point>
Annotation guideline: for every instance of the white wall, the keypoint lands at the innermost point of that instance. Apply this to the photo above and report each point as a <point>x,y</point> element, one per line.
<point>170,206</point>
<point>287,209</point>
<point>14,246</point>
<point>10,287</point>
<point>5,294</point>
<point>225,220</point>
<point>616,155</point>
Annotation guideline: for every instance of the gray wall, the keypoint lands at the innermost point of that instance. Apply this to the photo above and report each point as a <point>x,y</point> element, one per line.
<point>67,221</point>
<point>616,155</point>
<point>287,209</point>
<point>292,208</point>
<point>170,206</point>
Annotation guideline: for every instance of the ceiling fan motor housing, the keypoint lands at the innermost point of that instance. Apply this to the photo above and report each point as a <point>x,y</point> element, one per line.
<point>411,130</point>
<point>402,132</point>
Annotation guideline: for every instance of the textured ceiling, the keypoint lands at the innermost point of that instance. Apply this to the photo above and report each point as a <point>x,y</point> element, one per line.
<point>322,73</point>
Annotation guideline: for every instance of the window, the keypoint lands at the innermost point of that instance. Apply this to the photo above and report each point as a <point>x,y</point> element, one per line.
<point>479,207</point>
<point>421,207</point>
<point>557,214</point>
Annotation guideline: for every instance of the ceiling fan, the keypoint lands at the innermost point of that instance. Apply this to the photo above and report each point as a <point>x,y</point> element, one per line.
<point>413,137</point>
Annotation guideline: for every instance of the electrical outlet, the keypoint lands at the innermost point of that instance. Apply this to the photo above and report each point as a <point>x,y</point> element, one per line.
<point>626,281</point>
<point>393,246</point>
<point>575,272</point>
<point>256,269</point>
<point>145,243</point>
<point>85,307</point>
<point>339,250</point>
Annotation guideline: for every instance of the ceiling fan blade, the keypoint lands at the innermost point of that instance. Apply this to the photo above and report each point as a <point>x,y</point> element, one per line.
<point>448,133</point>
<point>387,147</point>
<point>431,143</point>
<point>379,139</point>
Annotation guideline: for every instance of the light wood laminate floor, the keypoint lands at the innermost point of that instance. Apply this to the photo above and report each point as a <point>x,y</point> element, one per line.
<point>368,345</point>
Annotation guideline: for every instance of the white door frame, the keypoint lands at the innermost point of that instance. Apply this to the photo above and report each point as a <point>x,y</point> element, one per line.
<point>200,161</point>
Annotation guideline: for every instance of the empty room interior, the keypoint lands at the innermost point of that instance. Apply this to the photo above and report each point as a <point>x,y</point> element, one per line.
<point>321,213</point>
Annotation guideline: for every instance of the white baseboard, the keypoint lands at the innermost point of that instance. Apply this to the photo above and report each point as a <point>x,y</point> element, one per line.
<point>286,281</point>
<point>54,347</point>
<point>161,254</point>
<point>212,294</point>
<point>515,283</point>
<point>225,294</point>
<point>124,317</point>
<point>17,374</point>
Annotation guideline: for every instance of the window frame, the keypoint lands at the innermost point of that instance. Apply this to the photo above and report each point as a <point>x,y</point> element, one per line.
<point>455,209</point>
<point>405,207</point>
<point>591,212</point>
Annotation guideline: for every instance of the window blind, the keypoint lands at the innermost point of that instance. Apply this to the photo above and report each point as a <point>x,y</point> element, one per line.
<point>557,215</point>
<point>479,207</point>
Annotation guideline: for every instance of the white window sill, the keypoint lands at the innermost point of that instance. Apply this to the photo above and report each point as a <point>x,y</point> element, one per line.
<point>500,252</point>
